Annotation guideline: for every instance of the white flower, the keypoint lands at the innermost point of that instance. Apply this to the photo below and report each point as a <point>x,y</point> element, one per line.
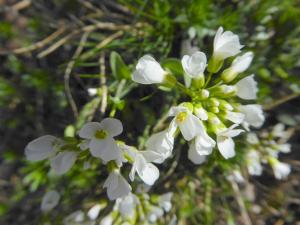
<point>247,88</point>
<point>252,138</point>
<point>93,212</point>
<point>92,91</point>
<point>236,176</point>
<point>101,138</point>
<point>201,113</point>
<point>74,218</point>
<point>194,65</point>
<point>280,132</point>
<point>155,213</point>
<point>202,146</point>
<point>50,200</point>
<point>107,220</point>
<point>226,44</point>
<point>164,201</point>
<point>241,63</point>
<point>194,155</point>
<point>146,170</point>
<point>253,163</point>
<point>117,186</point>
<point>41,148</point>
<point>162,143</point>
<point>189,124</point>
<point>281,170</point>
<point>225,142</point>
<point>253,115</point>
<point>148,71</point>
<point>63,161</point>
<point>235,117</point>
<point>127,205</point>
<point>284,148</point>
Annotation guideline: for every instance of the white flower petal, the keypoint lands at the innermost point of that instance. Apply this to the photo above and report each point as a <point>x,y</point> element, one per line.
<point>63,161</point>
<point>50,200</point>
<point>203,146</point>
<point>241,63</point>
<point>146,171</point>
<point>281,170</point>
<point>113,126</point>
<point>127,205</point>
<point>148,71</point>
<point>226,146</point>
<point>194,155</point>
<point>40,148</point>
<point>174,110</point>
<point>247,88</point>
<point>190,127</point>
<point>253,114</point>
<point>106,149</point>
<point>284,148</point>
<point>89,129</point>
<point>117,186</point>
<point>161,143</point>
<point>164,201</point>
<point>235,117</point>
<point>195,64</point>
<point>93,212</point>
<point>226,44</point>
<point>252,138</point>
<point>107,220</point>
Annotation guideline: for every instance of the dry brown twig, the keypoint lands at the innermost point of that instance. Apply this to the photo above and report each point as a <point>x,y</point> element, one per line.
<point>103,84</point>
<point>240,201</point>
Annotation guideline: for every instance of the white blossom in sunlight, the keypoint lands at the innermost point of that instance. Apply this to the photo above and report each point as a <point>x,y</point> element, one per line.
<point>254,115</point>
<point>50,200</point>
<point>101,138</point>
<point>148,71</point>
<point>93,212</point>
<point>63,161</point>
<point>253,163</point>
<point>239,65</point>
<point>225,143</point>
<point>162,143</point>
<point>41,148</point>
<point>226,44</point>
<point>141,164</point>
<point>164,201</point>
<point>74,218</point>
<point>189,124</point>
<point>194,65</point>
<point>117,186</point>
<point>127,205</point>
<point>281,170</point>
<point>247,88</point>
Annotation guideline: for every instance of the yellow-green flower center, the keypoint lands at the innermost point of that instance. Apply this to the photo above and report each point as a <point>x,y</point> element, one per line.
<point>181,117</point>
<point>101,134</point>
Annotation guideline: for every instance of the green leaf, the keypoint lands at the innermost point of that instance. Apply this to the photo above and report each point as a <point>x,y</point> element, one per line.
<point>173,66</point>
<point>118,67</point>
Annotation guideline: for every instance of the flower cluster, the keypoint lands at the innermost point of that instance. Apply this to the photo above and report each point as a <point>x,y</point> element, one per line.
<point>126,210</point>
<point>99,140</point>
<point>264,148</point>
<point>211,119</point>
<point>212,116</point>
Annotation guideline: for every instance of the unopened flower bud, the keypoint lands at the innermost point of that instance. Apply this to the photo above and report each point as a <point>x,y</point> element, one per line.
<point>204,94</point>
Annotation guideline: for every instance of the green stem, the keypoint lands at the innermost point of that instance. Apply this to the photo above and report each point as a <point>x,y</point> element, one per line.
<point>281,101</point>
<point>208,79</point>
